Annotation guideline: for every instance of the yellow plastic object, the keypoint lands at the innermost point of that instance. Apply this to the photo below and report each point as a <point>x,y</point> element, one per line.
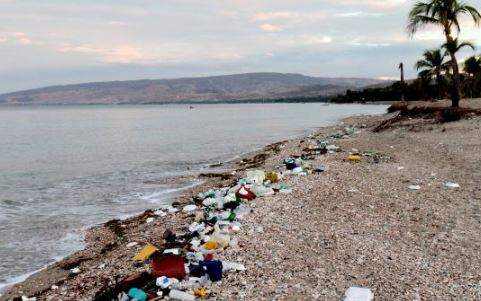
<point>354,158</point>
<point>273,177</point>
<point>200,292</point>
<point>145,253</point>
<point>211,245</point>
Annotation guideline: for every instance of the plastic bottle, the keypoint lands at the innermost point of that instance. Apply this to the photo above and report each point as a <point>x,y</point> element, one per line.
<point>222,239</point>
<point>180,295</point>
<point>232,266</point>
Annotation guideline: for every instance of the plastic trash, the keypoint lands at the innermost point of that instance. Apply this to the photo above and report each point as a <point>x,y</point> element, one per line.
<point>208,257</point>
<point>290,163</point>
<point>451,185</point>
<point>273,177</point>
<point>149,220</point>
<point>209,202</point>
<point>75,270</point>
<point>358,294</point>
<point>171,266</point>
<point>196,270</point>
<point>213,268</point>
<point>261,190</point>
<point>245,193</point>
<point>211,245</point>
<point>232,266</point>
<point>174,251</point>
<point>25,298</point>
<point>256,176</point>
<point>354,158</point>
<point>196,227</point>
<point>163,282</point>
<point>284,189</point>
<point>145,253</point>
<point>222,240</point>
<point>137,294</point>
<point>414,187</point>
<point>189,208</point>
<point>200,292</point>
<point>132,244</point>
<point>180,295</point>
<point>123,297</point>
<point>297,170</point>
<point>332,148</point>
<point>242,211</point>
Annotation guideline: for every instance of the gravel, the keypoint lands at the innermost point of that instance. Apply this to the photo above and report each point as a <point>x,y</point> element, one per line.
<point>355,224</point>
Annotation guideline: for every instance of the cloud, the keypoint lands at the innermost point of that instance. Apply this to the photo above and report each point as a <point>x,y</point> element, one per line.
<point>17,37</point>
<point>115,55</point>
<point>116,23</point>
<point>375,4</point>
<point>305,40</point>
<point>267,16</point>
<point>162,54</point>
<point>354,14</point>
<point>270,27</point>
<point>360,43</point>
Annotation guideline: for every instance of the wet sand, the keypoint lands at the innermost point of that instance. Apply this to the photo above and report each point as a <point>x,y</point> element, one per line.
<point>356,224</point>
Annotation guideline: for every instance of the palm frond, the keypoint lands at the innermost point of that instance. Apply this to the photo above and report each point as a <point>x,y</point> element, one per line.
<point>420,21</point>
<point>475,14</point>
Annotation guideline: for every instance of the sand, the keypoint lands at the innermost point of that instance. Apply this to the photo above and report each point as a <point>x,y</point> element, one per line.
<point>356,224</point>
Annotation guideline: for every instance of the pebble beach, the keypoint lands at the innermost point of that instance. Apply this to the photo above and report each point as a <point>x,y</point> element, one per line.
<point>358,223</point>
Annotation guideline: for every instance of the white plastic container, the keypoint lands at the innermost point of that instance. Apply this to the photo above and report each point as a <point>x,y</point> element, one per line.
<point>180,295</point>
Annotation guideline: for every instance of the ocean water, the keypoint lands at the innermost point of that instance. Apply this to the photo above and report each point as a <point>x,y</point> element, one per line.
<point>65,168</point>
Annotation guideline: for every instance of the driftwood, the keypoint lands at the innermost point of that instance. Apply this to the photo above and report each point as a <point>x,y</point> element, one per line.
<point>388,123</point>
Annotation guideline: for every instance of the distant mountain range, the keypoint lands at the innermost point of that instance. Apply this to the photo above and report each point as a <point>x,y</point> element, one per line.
<point>225,88</point>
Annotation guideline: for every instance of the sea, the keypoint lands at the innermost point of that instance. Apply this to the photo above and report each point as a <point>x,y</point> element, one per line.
<point>66,168</point>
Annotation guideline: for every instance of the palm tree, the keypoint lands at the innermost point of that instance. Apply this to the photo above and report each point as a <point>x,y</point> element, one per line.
<point>432,65</point>
<point>472,65</point>
<point>453,47</point>
<point>444,13</point>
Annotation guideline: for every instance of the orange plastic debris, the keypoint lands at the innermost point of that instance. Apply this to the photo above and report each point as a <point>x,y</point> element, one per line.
<point>200,292</point>
<point>211,245</point>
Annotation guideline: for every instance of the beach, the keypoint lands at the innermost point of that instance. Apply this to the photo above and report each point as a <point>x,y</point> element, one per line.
<point>355,224</point>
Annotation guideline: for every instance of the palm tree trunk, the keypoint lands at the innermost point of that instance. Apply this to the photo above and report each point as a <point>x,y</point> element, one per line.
<point>439,83</point>
<point>455,89</point>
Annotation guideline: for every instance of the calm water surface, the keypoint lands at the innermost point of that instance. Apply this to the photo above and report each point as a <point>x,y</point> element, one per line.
<point>66,168</point>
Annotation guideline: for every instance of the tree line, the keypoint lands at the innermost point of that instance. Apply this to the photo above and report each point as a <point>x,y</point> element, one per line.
<point>440,75</point>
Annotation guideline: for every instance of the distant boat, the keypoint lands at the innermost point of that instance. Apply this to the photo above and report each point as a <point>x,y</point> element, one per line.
<point>191,107</point>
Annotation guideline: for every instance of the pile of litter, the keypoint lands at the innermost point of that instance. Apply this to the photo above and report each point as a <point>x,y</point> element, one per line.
<point>190,261</point>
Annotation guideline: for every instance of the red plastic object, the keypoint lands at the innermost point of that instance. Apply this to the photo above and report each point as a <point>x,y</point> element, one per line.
<point>245,193</point>
<point>171,266</point>
<point>208,257</point>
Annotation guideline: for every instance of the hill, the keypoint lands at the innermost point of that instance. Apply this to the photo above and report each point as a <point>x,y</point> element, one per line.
<point>225,88</point>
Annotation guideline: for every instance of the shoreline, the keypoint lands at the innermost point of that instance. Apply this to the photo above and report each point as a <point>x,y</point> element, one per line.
<point>363,207</point>
<point>198,176</point>
<point>207,179</point>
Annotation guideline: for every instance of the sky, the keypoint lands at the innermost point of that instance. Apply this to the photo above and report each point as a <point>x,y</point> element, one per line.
<point>50,42</point>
